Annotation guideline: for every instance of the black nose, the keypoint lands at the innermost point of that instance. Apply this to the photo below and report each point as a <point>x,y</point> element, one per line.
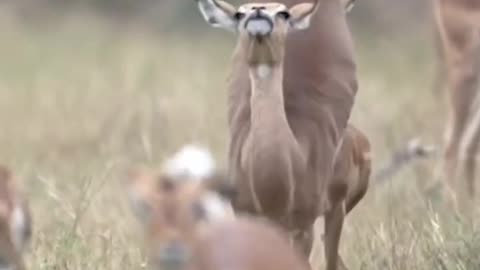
<point>258,10</point>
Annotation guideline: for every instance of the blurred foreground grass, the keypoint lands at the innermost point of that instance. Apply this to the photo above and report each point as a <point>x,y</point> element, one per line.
<point>82,100</point>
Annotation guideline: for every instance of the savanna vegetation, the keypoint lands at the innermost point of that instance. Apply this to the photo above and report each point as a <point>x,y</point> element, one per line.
<point>84,96</point>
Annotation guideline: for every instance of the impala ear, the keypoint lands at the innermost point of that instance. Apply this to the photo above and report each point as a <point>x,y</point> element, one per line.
<point>219,14</point>
<point>301,15</point>
<point>142,193</point>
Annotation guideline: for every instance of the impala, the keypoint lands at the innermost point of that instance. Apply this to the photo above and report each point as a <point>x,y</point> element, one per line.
<point>189,225</point>
<point>290,97</point>
<point>458,25</point>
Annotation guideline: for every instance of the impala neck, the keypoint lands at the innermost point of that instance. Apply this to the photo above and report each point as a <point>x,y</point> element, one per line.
<point>267,87</point>
<point>268,117</point>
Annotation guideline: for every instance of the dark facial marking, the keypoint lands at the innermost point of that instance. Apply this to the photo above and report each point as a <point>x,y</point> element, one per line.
<point>238,16</point>
<point>284,15</point>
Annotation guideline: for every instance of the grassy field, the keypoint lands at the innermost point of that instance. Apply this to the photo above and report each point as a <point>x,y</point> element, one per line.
<point>82,100</point>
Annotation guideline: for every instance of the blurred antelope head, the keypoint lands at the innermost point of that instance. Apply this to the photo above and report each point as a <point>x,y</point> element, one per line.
<point>175,202</point>
<point>262,27</point>
<point>15,223</point>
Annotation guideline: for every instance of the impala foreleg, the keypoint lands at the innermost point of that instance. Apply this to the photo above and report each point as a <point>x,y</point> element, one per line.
<point>334,218</point>
<point>463,88</point>
<point>333,229</point>
<point>470,149</point>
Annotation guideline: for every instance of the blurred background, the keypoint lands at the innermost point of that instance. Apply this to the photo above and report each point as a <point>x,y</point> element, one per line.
<point>106,55</point>
<point>160,14</point>
<point>90,87</point>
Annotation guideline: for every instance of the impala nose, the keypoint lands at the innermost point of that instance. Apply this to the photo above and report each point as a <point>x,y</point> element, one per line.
<point>259,24</point>
<point>258,9</point>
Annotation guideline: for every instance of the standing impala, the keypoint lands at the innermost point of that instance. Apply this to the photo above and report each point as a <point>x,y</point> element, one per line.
<point>291,93</point>
<point>458,25</point>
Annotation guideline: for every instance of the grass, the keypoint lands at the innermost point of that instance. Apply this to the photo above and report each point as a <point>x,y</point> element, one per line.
<point>81,101</point>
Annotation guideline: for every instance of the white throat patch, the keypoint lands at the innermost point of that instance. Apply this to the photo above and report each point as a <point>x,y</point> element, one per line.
<point>263,71</point>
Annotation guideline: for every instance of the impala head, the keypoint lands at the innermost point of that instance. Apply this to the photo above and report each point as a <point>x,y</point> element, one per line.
<point>263,26</point>
<point>175,202</point>
<point>15,223</point>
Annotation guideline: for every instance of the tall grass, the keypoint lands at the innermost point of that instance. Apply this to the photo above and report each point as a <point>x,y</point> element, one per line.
<point>82,100</point>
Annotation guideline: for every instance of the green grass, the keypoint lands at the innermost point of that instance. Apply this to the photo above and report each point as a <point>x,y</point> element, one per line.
<point>81,102</point>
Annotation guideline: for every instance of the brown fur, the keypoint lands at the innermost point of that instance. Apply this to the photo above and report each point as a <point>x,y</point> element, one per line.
<point>349,185</point>
<point>247,244</point>
<point>458,25</point>
<point>282,148</point>
<point>319,90</point>
<point>356,158</point>
<point>173,220</point>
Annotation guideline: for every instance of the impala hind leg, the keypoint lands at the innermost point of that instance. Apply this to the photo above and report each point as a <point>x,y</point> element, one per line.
<point>318,255</point>
<point>463,82</point>
<point>471,140</point>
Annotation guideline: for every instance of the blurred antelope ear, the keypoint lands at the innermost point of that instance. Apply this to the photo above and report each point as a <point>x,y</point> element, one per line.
<point>218,13</point>
<point>141,190</point>
<point>301,15</point>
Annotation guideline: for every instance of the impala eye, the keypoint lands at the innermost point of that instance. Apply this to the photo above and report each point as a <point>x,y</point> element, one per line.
<point>238,16</point>
<point>284,15</point>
